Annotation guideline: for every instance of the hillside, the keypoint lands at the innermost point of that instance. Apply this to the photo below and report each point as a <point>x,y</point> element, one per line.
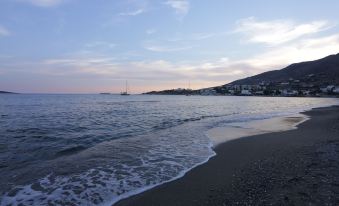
<point>302,79</point>
<point>322,71</point>
<point>4,92</point>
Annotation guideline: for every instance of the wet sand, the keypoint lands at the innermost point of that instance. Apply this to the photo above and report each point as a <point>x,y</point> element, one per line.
<point>233,131</point>
<point>295,167</point>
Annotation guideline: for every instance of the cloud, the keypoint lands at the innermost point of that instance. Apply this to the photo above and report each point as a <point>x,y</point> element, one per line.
<point>203,36</point>
<point>159,70</point>
<point>278,31</point>
<point>163,74</point>
<point>100,44</point>
<point>181,7</point>
<point>4,31</point>
<point>156,48</point>
<point>211,72</point>
<point>166,46</point>
<point>81,61</point>
<point>132,13</point>
<point>44,3</point>
<point>304,50</point>
<point>151,31</point>
<point>290,43</point>
<point>225,69</point>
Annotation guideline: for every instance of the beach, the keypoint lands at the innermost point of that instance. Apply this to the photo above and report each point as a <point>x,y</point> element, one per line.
<point>102,150</point>
<point>293,167</point>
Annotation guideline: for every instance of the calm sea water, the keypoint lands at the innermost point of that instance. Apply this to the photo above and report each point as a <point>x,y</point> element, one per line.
<point>98,149</point>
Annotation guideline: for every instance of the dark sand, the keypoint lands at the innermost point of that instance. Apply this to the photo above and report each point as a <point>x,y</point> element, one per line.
<point>296,167</point>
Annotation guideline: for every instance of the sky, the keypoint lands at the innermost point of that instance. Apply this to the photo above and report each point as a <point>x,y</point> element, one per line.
<point>87,46</point>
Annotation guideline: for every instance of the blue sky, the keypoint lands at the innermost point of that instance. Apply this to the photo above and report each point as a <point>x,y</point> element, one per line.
<point>86,46</point>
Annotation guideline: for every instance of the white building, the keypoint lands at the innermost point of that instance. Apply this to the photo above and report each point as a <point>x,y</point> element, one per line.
<point>336,90</point>
<point>208,92</point>
<point>231,91</point>
<point>306,93</point>
<point>237,87</point>
<point>323,89</point>
<point>328,89</point>
<point>246,92</point>
<point>286,92</point>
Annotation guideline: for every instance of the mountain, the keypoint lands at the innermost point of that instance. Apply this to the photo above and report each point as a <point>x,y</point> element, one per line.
<point>319,72</point>
<point>305,78</point>
<point>4,92</point>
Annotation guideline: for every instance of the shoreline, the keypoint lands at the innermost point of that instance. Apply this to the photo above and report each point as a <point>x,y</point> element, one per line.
<point>239,130</point>
<point>315,96</point>
<point>232,131</point>
<point>203,184</point>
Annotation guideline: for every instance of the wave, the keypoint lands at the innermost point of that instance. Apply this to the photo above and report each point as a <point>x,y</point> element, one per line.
<point>111,171</point>
<point>71,150</point>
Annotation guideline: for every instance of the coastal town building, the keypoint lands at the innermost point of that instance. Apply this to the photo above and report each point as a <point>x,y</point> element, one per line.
<point>289,93</point>
<point>336,90</point>
<point>208,92</point>
<point>246,92</point>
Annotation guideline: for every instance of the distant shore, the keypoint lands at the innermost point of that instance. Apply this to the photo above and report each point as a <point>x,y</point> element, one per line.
<point>295,167</point>
<point>239,95</point>
<point>5,92</point>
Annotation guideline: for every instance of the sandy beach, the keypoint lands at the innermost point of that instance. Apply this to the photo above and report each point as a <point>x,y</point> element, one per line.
<point>294,167</point>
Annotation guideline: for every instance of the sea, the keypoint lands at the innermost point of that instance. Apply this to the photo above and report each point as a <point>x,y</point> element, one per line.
<point>98,149</point>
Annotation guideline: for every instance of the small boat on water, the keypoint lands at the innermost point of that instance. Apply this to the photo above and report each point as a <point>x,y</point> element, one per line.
<point>188,91</point>
<point>126,90</point>
<point>105,93</point>
<point>124,93</point>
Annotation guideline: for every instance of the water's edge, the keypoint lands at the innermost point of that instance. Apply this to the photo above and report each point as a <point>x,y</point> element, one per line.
<point>213,147</point>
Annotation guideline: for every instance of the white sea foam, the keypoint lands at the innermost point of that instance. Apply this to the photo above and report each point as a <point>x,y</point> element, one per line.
<point>155,159</point>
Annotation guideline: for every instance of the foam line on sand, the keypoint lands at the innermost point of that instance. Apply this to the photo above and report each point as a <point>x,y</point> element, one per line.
<point>232,131</point>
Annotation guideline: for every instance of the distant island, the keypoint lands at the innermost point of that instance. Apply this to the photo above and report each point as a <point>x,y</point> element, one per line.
<point>312,78</point>
<point>5,92</point>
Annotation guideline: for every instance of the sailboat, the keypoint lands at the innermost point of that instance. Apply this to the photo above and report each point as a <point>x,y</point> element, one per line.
<point>125,92</point>
<point>189,89</point>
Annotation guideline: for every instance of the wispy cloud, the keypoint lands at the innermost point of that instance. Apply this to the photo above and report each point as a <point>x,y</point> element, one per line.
<point>100,44</point>
<point>226,69</point>
<point>202,36</point>
<point>167,45</point>
<point>278,31</point>
<point>132,13</point>
<point>44,3</point>
<point>208,72</point>
<point>156,48</point>
<point>303,50</point>
<point>4,31</point>
<point>151,31</point>
<point>81,61</point>
<point>181,7</point>
<point>140,70</point>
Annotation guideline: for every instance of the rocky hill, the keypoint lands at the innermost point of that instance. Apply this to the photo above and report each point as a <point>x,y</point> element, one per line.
<point>321,72</point>
<point>4,92</point>
<point>309,77</point>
